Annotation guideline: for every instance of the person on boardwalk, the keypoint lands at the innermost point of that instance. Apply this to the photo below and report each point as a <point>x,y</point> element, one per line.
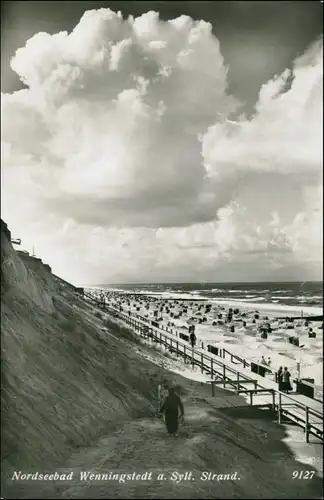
<point>193,339</point>
<point>286,386</point>
<point>171,408</point>
<point>279,378</point>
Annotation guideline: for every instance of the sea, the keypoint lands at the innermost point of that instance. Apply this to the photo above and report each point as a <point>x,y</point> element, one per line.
<point>295,294</point>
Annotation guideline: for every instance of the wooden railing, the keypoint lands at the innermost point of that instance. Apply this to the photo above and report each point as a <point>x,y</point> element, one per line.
<point>285,405</point>
<point>223,352</point>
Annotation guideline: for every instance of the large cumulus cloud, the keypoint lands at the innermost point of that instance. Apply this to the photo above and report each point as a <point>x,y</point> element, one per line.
<point>125,156</point>
<point>113,112</point>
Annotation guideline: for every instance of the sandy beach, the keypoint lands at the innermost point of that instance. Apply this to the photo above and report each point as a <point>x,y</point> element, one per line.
<point>242,334</point>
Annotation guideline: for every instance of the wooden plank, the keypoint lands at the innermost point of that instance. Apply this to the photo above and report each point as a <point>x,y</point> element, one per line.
<point>263,405</point>
<point>220,382</point>
<point>255,391</point>
<point>250,381</point>
<point>241,381</point>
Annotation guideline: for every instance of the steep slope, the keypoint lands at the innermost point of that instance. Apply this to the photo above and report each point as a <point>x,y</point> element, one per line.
<point>64,380</point>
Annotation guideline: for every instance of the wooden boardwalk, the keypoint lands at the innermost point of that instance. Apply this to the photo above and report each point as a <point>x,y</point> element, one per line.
<point>229,371</point>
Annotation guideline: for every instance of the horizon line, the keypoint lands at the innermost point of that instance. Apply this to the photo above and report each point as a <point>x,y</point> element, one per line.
<point>200,282</point>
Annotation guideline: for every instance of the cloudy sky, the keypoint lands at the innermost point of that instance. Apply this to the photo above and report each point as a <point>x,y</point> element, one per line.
<point>164,141</point>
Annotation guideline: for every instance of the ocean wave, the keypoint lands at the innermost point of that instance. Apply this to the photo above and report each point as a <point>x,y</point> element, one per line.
<point>97,290</point>
<point>284,297</point>
<point>309,297</point>
<point>249,290</point>
<point>243,299</point>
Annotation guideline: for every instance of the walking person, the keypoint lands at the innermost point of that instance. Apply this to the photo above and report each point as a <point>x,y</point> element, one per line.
<point>286,386</point>
<point>193,339</point>
<point>171,408</point>
<point>279,379</point>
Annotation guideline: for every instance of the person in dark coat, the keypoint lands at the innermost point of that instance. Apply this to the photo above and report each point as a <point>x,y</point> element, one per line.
<point>171,408</point>
<point>193,339</point>
<point>279,379</point>
<point>286,386</point>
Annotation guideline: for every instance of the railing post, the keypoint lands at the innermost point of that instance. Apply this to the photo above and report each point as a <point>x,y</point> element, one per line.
<point>224,375</point>
<point>213,388</point>
<point>202,363</point>
<point>238,380</point>
<point>251,398</point>
<point>273,400</point>
<point>279,409</point>
<point>212,368</point>
<point>192,358</point>
<point>307,424</point>
<point>185,354</point>
<point>177,343</point>
<point>244,363</point>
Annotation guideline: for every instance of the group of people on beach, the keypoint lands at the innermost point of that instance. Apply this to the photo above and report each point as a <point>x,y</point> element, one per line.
<point>283,379</point>
<point>264,361</point>
<point>282,376</point>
